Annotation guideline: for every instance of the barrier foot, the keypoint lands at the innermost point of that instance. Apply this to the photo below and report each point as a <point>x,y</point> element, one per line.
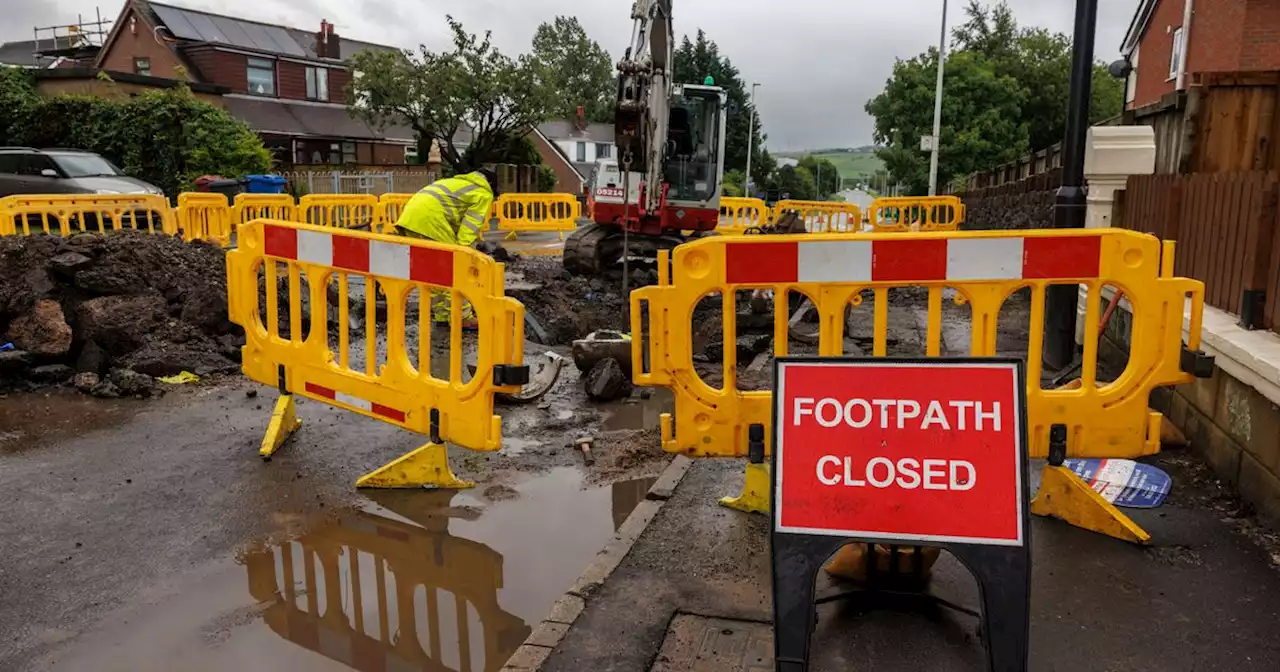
<point>510,236</point>
<point>1066,496</point>
<point>755,490</point>
<point>424,467</point>
<point>284,422</point>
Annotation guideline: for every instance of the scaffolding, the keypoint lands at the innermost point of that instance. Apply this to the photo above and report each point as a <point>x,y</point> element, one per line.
<point>77,41</point>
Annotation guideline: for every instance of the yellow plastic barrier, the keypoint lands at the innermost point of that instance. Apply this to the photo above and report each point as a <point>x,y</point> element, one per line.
<point>387,370</point>
<point>344,211</point>
<point>65,215</point>
<point>204,216</point>
<point>739,214</point>
<point>977,269</point>
<point>248,207</point>
<point>537,212</point>
<point>389,208</point>
<point>314,593</point>
<point>917,213</point>
<point>823,216</point>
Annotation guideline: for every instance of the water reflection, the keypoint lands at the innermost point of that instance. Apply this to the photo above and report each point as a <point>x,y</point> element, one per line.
<point>380,594</point>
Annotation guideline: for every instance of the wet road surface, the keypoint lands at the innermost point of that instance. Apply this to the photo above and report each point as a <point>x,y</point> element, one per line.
<point>137,534</point>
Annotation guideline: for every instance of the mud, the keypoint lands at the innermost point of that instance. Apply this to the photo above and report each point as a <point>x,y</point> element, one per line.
<point>567,306</point>
<point>127,300</point>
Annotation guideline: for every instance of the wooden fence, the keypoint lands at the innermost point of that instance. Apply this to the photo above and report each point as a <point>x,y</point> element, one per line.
<point>1225,225</point>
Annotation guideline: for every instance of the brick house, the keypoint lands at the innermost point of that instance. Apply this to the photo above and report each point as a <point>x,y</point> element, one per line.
<point>1169,41</point>
<point>572,148</point>
<point>286,83</point>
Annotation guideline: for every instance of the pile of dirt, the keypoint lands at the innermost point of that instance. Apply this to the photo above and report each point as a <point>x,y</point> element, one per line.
<point>565,306</point>
<point>626,454</point>
<point>110,313</point>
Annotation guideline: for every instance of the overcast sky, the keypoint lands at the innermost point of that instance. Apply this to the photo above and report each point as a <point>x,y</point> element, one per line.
<point>817,61</point>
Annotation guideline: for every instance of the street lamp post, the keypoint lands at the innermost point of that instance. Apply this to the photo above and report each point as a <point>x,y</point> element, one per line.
<point>1069,208</point>
<point>751,135</point>
<point>937,105</point>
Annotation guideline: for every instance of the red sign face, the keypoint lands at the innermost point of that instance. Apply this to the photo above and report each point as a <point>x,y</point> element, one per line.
<point>926,452</point>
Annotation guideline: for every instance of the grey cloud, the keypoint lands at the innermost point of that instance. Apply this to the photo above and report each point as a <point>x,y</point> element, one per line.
<point>818,61</point>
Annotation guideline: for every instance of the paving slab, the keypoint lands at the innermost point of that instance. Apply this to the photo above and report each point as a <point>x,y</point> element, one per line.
<point>1204,597</point>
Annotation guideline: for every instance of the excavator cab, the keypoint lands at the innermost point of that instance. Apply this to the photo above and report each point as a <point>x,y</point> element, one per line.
<point>695,146</point>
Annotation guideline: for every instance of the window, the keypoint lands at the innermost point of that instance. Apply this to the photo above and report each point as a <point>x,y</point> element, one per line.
<point>603,150</point>
<point>411,154</point>
<point>317,83</point>
<point>142,66</point>
<point>83,164</point>
<point>1175,54</point>
<point>581,152</point>
<point>317,152</point>
<point>262,76</point>
<point>11,163</point>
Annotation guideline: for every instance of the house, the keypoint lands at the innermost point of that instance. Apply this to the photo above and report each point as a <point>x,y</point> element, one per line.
<point>286,83</point>
<point>1170,41</point>
<point>572,148</point>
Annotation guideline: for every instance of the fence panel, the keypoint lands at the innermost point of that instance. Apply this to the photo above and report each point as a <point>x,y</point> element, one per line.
<point>389,208</point>
<point>924,213</point>
<point>537,212</point>
<point>205,216</point>
<point>263,206</point>
<point>65,215</point>
<point>1225,223</point>
<point>979,269</point>
<point>823,216</point>
<point>283,280</point>
<point>345,211</point>
<point>739,214</point>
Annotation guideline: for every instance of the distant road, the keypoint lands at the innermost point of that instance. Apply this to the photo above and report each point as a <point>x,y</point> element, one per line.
<point>858,197</point>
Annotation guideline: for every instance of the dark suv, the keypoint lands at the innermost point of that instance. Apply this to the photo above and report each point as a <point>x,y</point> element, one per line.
<point>24,170</point>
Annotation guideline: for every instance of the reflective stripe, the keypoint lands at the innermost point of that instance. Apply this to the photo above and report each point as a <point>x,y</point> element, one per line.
<point>450,199</point>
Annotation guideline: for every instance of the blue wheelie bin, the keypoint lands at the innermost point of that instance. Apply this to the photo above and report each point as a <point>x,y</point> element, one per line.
<point>264,184</point>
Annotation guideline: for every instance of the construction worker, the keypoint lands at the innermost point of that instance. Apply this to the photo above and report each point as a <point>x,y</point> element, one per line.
<point>454,211</point>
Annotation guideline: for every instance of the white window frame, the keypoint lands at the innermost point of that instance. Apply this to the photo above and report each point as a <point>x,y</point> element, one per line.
<point>1175,54</point>
<point>410,154</point>
<point>580,151</point>
<point>252,64</point>
<point>317,83</point>
<point>607,153</point>
<point>1131,87</point>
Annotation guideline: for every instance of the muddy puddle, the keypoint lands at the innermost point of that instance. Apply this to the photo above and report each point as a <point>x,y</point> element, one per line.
<point>29,420</point>
<point>408,581</point>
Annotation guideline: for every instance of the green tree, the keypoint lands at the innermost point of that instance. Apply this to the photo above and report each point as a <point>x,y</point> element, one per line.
<point>793,182</point>
<point>576,69</point>
<point>982,120</point>
<point>825,175</point>
<point>473,87</point>
<point>1041,63</point>
<point>165,137</point>
<point>697,59</point>
<point>762,168</point>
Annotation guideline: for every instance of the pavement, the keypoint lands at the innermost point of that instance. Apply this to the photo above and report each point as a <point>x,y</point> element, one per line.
<point>692,595</point>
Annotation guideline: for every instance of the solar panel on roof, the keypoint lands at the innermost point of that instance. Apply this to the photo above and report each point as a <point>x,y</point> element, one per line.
<point>259,36</point>
<point>233,31</point>
<point>176,21</point>
<point>285,43</point>
<point>208,30</point>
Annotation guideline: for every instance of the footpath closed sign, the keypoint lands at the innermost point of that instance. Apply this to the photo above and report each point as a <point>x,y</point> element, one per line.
<point>928,451</point>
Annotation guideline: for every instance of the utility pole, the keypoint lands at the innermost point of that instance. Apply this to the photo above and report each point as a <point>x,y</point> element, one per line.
<point>1069,208</point>
<point>751,135</point>
<point>937,105</point>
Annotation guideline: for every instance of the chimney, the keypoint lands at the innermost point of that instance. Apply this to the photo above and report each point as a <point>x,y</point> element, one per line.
<point>580,120</point>
<point>328,45</point>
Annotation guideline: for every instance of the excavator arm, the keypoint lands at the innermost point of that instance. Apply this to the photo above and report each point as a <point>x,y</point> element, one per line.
<point>642,113</point>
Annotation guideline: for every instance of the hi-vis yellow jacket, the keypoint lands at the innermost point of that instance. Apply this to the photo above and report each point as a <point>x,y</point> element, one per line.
<point>453,210</point>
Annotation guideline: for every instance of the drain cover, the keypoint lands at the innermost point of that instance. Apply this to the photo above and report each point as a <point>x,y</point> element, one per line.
<point>702,644</point>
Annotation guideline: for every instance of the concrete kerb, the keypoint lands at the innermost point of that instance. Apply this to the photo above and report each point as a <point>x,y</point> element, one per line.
<point>537,647</point>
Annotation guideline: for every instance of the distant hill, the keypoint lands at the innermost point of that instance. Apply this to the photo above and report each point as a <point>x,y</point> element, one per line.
<point>852,162</point>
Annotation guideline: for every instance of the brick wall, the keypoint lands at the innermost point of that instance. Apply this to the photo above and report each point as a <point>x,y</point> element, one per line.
<point>1215,35</point>
<point>1260,43</point>
<point>1154,51</point>
<point>139,42</point>
<point>291,80</point>
<point>1025,204</point>
<point>221,67</point>
<point>567,179</point>
<point>113,90</point>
